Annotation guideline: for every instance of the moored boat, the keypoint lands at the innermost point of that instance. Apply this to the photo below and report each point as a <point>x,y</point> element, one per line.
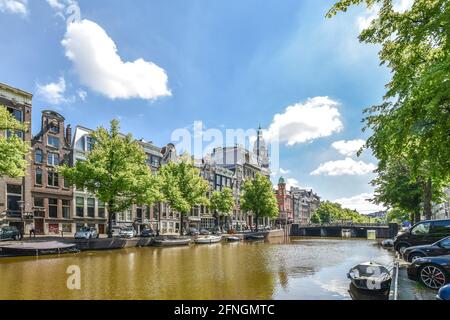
<point>208,239</point>
<point>170,242</point>
<point>254,237</point>
<point>370,276</point>
<point>233,239</point>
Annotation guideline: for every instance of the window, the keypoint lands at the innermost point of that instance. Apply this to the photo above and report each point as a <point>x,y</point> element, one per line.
<point>441,226</point>
<point>139,214</point>
<point>53,141</point>
<point>148,213</point>
<point>38,177</point>
<point>38,156</point>
<point>53,208</point>
<point>53,127</point>
<point>17,114</point>
<point>91,207</point>
<point>155,161</point>
<point>445,243</point>
<point>101,209</point>
<point>66,209</point>
<point>89,143</point>
<point>53,159</point>
<point>80,206</point>
<point>421,229</point>
<point>52,179</point>
<point>39,208</point>
<point>66,184</point>
<point>14,195</point>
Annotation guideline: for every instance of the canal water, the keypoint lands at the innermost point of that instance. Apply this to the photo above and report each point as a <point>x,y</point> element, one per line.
<point>297,268</point>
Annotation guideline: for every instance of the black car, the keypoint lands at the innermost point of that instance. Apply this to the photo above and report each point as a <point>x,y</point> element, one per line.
<point>425,232</point>
<point>147,233</point>
<point>433,272</point>
<point>9,233</point>
<point>440,248</point>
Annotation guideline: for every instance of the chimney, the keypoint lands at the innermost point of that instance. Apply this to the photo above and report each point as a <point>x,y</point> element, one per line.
<point>69,135</point>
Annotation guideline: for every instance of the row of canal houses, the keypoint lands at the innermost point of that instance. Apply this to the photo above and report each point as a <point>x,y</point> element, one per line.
<point>43,198</point>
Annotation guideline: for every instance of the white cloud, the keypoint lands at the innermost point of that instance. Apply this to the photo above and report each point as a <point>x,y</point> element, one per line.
<point>14,6</point>
<point>95,58</point>
<point>55,4</point>
<point>304,122</point>
<point>53,92</point>
<point>360,203</point>
<point>282,171</point>
<point>403,5</point>
<point>82,94</point>
<point>344,167</point>
<point>348,148</point>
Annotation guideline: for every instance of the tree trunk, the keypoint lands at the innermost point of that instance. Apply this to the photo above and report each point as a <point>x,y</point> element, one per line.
<point>416,216</point>
<point>159,220</point>
<point>427,207</point>
<point>181,224</point>
<point>256,217</point>
<point>110,221</point>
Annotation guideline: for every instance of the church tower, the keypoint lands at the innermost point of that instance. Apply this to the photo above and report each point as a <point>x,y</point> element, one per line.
<point>261,150</point>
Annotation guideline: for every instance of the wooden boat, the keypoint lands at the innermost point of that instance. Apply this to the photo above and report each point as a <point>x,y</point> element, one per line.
<point>170,242</point>
<point>370,276</point>
<point>233,239</point>
<point>254,237</point>
<point>208,239</point>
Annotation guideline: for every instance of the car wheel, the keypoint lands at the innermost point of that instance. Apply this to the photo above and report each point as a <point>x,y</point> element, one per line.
<point>432,276</point>
<point>15,238</point>
<point>414,256</point>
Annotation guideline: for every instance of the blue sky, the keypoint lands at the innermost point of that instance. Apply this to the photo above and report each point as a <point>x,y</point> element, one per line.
<point>230,64</point>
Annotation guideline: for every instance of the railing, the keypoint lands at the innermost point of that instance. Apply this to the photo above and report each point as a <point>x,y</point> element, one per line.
<point>345,225</point>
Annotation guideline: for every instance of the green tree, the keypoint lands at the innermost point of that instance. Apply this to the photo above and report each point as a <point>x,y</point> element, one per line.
<point>330,212</point>
<point>398,215</point>
<point>414,118</point>
<point>397,187</point>
<point>258,198</point>
<point>13,150</point>
<point>223,203</point>
<point>182,187</point>
<point>115,171</point>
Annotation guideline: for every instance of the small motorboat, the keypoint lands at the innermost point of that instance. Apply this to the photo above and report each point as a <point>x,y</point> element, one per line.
<point>370,276</point>
<point>170,242</point>
<point>388,243</point>
<point>254,237</point>
<point>233,239</point>
<point>208,239</point>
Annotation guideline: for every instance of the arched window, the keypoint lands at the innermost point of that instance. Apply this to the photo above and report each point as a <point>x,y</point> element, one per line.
<point>38,156</point>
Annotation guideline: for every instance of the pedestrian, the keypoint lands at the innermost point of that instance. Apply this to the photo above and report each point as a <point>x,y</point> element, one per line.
<point>33,230</point>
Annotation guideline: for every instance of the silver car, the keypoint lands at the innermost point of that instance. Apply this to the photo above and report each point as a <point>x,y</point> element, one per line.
<point>128,232</point>
<point>87,233</point>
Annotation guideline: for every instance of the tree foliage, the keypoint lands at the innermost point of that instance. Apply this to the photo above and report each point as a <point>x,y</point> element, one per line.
<point>330,212</point>
<point>398,215</point>
<point>115,171</point>
<point>13,149</point>
<point>182,187</point>
<point>414,118</point>
<point>222,202</point>
<point>258,198</point>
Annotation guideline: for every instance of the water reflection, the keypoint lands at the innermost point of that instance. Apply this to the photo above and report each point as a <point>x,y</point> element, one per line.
<point>293,269</point>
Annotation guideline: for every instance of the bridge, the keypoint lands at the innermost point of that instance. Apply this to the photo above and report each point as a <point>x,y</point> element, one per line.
<point>336,230</point>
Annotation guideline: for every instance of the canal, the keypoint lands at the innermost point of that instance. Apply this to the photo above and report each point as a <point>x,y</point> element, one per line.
<point>295,269</point>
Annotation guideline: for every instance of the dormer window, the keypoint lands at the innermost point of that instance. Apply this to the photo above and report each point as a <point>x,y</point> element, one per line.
<point>53,127</point>
<point>89,144</point>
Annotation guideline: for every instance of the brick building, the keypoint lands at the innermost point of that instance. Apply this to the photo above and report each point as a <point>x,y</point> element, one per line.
<point>15,194</point>
<point>51,195</point>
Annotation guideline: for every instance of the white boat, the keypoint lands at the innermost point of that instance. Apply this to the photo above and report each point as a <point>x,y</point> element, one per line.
<point>208,239</point>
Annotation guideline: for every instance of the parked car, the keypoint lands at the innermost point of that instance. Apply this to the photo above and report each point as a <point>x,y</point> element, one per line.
<point>127,232</point>
<point>205,232</point>
<point>425,232</point>
<point>148,233</point>
<point>87,233</point>
<point>192,232</point>
<point>116,231</point>
<point>9,233</point>
<point>433,272</point>
<point>444,293</point>
<point>440,248</point>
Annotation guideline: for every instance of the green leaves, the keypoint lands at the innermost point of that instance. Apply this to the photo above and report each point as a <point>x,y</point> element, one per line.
<point>181,185</point>
<point>414,120</point>
<point>115,171</point>
<point>330,212</point>
<point>13,150</point>
<point>258,197</point>
<point>222,201</point>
